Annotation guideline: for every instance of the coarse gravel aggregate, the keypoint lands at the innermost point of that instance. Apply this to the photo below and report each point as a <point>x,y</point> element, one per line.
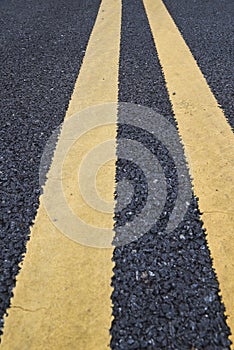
<point>42,47</point>
<point>165,289</point>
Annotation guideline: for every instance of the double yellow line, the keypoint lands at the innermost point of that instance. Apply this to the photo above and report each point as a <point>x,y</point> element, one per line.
<point>62,298</point>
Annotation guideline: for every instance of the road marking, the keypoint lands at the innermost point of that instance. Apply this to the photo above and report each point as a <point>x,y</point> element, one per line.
<point>62,299</point>
<point>208,141</point>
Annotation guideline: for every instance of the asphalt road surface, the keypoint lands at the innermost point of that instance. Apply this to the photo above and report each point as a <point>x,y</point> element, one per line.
<point>166,294</point>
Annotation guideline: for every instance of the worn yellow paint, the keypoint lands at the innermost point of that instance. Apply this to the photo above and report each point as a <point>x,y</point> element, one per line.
<point>105,170</point>
<point>62,295</point>
<point>77,153</point>
<point>208,141</point>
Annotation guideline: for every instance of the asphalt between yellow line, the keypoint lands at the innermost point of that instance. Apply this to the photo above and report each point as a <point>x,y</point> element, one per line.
<point>62,296</point>
<point>208,141</point>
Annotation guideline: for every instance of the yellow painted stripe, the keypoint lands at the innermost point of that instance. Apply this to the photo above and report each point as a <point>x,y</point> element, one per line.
<point>62,296</point>
<point>208,141</point>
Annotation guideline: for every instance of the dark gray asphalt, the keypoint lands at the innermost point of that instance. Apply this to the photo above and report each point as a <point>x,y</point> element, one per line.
<point>208,29</point>
<point>166,294</point>
<point>42,47</point>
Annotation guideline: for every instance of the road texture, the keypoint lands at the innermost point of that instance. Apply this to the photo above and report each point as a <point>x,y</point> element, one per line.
<point>166,294</point>
<point>187,297</point>
<point>39,68</point>
<point>208,31</point>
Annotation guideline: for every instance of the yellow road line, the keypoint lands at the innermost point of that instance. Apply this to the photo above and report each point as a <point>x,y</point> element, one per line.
<point>208,141</point>
<point>62,296</point>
